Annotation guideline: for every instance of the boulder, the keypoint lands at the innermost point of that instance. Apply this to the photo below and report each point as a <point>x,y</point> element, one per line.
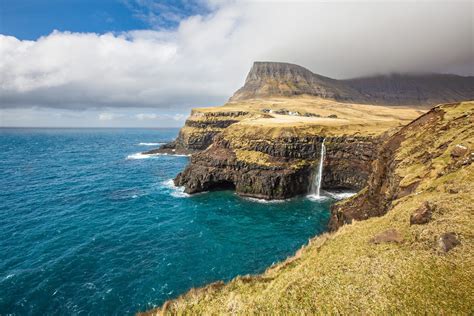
<point>422,215</point>
<point>448,241</point>
<point>459,151</point>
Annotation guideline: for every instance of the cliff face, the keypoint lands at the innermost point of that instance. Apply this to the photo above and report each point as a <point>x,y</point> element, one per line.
<point>270,148</point>
<point>402,166</point>
<point>200,128</point>
<point>267,79</point>
<point>270,79</point>
<point>408,246</point>
<point>348,159</point>
<point>250,173</point>
<point>280,167</point>
<point>430,89</point>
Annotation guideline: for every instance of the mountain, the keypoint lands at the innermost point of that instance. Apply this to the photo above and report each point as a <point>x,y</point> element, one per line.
<point>274,79</point>
<point>282,79</point>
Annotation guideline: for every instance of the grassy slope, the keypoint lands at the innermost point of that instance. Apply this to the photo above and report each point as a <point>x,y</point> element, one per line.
<point>344,273</point>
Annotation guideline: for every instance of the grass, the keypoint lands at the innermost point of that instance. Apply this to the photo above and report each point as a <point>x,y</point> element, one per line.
<point>343,273</point>
<point>254,157</point>
<point>352,119</point>
<point>262,159</point>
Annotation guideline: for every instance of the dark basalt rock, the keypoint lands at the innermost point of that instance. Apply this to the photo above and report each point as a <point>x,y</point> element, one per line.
<point>205,125</point>
<point>383,185</point>
<point>210,123</point>
<point>346,165</point>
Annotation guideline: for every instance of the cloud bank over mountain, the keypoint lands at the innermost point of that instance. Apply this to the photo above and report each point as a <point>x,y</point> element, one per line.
<point>206,58</point>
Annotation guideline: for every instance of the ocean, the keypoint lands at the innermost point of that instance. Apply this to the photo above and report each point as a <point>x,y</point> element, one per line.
<point>88,226</point>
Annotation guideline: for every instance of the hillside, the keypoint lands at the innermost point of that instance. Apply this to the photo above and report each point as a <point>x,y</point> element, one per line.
<point>272,79</point>
<point>403,244</point>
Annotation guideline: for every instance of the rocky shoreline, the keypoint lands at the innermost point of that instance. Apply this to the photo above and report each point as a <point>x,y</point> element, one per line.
<point>412,170</point>
<point>405,237</point>
<point>281,169</point>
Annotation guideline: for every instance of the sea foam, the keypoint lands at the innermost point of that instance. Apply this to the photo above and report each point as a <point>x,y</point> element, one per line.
<point>150,144</point>
<point>316,197</point>
<point>341,195</point>
<point>146,156</point>
<point>138,156</point>
<point>175,191</point>
<point>264,201</point>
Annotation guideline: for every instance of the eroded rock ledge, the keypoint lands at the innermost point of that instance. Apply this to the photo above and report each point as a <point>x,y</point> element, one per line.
<point>280,168</point>
<point>200,128</point>
<point>385,185</point>
<point>270,148</point>
<point>425,171</point>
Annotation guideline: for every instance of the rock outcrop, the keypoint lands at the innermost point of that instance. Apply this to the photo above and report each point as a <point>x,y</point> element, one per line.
<point>385,264</point>
<point>200,128</point>
<point>267,79</point>
<point>410,89</point>
<point>280,167</point>
<point>402,166</point>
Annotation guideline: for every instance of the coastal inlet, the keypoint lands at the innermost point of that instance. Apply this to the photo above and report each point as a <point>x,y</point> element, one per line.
<point>89,226</point>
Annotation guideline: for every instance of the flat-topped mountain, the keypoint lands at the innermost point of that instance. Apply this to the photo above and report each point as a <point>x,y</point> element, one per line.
<point>267,79</point>
<point>273,79</point>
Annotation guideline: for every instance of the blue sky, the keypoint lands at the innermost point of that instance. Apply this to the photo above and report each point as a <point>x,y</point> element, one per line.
<point>30,19</point>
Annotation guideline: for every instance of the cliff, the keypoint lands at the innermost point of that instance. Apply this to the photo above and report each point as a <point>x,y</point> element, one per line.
<point>406,246</point>
<point>285,89</point>
<point>402,167</point>
<point>279,167</point>
<point>201,127</point>
<point>271,79</point>
<point>274,156</point>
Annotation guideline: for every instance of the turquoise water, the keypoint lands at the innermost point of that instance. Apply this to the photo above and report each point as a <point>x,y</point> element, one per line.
<point>84,230</point>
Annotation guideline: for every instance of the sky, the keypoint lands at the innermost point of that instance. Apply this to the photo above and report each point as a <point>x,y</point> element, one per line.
<point>146,63</point>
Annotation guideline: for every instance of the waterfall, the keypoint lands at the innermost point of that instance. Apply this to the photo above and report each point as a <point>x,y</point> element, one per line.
<point>316,185</point>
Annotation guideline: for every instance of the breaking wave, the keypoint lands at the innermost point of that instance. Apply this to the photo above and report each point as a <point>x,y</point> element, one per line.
<point>150,144</point>
<point>175,191</point>
<point>264,201</point>
<point>146,156</point>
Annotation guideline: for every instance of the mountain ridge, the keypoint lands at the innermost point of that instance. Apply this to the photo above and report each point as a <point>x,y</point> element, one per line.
<point>270,79</point>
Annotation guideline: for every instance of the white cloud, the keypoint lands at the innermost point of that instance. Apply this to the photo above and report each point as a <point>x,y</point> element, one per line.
<point>179,117</point>
<point>207,57</point>
<point>106,116</point>
<point>146,116</point>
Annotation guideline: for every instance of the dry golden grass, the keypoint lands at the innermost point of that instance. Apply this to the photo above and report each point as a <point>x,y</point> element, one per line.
<point>354,119</point>
<point>254,157</point>
<point>343,273</point>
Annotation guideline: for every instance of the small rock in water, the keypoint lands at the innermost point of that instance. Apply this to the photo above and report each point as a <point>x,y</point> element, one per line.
<point>422,215</point>
<point>390,235</point>
<point>448,241</point>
